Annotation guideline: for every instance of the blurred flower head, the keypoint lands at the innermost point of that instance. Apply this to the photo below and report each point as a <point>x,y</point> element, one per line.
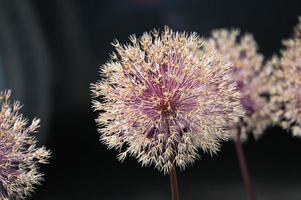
<point>19,156</point>
<point>252,78</point>
<point>160,99</point>
<point>291,87</point>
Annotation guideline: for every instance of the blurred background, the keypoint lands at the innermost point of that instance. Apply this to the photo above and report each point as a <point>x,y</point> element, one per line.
<point>51,50</point>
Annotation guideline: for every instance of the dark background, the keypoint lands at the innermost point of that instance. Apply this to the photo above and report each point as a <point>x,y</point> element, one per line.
<point>50,51</point>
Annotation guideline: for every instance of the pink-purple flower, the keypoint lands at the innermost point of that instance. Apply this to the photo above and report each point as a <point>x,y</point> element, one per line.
<point>160,98</point>
<point>252,77</point>
<point>19,154</point>
<point>290,84</point>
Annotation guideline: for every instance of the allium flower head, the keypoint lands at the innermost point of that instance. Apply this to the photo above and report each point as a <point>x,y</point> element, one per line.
<point>19,155</point>
<point>249,74</point>
<point>160,100</point>
<point>291,88</point>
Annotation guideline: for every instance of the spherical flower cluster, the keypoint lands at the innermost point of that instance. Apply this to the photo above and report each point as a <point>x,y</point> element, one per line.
<point>19,155</point>
<point>251,77</point>
<point>291,88</point>
<point>160,99</point>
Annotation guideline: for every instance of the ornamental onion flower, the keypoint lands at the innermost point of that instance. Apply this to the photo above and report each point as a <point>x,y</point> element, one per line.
<point>275,84</point>
<point>159,100</point>
<point>252,78</point>
<point>254,83</point>
<point>291,92</point>
<point>19,156</point>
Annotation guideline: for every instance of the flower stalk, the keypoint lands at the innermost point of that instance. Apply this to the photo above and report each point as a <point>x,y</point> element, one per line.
<point>174,184</point>
<point>244,167</point>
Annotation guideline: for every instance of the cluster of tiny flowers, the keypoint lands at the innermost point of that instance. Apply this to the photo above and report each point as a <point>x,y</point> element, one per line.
<point>290,62</point>
<point>250,75</point>
<point>275,87</point>
<point>19,155</point>
<point>160,100</point>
